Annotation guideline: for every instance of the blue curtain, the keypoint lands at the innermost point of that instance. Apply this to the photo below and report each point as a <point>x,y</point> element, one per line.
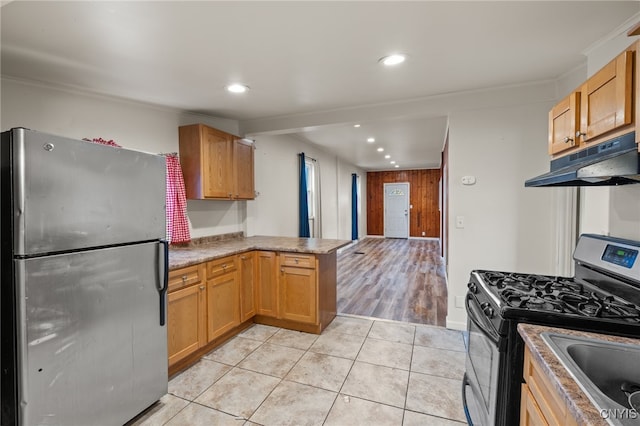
<point>354,206</point>
<point>304,206</point>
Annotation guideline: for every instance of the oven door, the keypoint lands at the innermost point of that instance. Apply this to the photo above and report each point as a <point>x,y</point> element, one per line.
<point>482,366</point>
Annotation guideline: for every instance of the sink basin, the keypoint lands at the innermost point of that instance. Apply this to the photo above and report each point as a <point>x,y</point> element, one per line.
<point>601,369</point>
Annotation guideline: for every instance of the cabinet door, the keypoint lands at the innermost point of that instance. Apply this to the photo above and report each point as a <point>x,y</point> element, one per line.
<point>564,121</point>
<point>530,414</point>
<point>186,322</point>
<point>223,304</point>
<point>217,165</point>
<point>267,289</point>
<point>247,286</point>
<point>607,97</point>
<point>243,170</point>
<point>298,294</point>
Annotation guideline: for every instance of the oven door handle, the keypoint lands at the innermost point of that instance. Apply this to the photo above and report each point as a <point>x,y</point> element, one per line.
<point>480,321</point>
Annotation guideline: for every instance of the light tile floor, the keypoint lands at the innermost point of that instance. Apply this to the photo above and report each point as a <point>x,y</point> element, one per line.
<point>360,371</point>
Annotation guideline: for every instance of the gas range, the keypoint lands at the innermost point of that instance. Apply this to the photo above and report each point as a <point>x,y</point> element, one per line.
<point>519,294</point>
<point>602,297</point>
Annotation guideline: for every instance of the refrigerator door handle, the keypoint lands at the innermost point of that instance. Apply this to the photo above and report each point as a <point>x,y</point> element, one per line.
<point>164,280</point>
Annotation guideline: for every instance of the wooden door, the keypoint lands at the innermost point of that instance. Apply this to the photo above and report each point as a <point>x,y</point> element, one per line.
<point>247,286</point>
<point>606,98</point>
<point>267,289</point>
<point>186,322</point>
<point>564,122</point>
<point>243,170</point>
<point>217,166</point>
<point>223,304</point>
<point>298,294</point>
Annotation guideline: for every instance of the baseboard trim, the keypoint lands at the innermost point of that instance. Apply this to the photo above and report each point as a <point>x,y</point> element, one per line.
<point>456,325</point>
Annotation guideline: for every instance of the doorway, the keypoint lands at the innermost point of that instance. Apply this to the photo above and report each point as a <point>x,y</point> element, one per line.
<point>396,210</point>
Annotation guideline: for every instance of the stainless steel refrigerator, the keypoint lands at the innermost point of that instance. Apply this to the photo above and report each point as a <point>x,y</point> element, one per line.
<point>83,268</point>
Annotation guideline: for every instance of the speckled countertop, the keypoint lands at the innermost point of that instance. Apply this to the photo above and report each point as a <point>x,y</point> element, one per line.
<point>577,401</point>
<point>209,248</point>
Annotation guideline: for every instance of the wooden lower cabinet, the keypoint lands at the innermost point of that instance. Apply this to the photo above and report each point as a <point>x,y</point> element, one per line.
<point>247,271</point>
<point>211,302</point>
<point>267,284</point>
<point>186,315</point>
<point>223,304</point>
<point>298,296</point>
<point>540,403</point>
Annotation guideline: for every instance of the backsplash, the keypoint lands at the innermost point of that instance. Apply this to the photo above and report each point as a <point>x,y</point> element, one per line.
<point>202,241</point>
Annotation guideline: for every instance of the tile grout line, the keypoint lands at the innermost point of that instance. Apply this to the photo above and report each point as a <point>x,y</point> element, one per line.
<point>347,375</point>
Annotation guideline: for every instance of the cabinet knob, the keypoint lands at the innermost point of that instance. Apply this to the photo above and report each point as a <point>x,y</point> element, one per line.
<point>568,139</point>
<point>230,195</point>
<point>296,260</point>
<point>579,133</point>
<point>201,287</point>
<point>224,266</point>
<point>184,278</point>
<point>243,257</point>
<point>282,270</point>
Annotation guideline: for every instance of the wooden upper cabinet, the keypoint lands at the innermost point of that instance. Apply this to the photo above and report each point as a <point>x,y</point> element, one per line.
<point>244,177</point>
<point>215,164</point>
<point>607,97</point>
<point>564,122</point>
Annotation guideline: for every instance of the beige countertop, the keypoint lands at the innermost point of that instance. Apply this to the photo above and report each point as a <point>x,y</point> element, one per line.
<point>209,248</point>
<point>577,401</point>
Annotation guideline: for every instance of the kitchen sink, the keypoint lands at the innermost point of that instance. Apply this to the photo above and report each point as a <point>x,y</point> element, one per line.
<point>604,370</point>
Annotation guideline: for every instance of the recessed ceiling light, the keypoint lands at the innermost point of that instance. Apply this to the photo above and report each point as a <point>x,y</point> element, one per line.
<point>396,166</point>
<point>237,88</point>
<point>392,162</point>
<point>380,149</point>
<point>387,156</point>
<point>371,140</point>
<point>395,59</point>
<point>356,125</point>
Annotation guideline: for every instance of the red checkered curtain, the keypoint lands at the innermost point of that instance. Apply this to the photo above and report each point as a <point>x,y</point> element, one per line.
<point>177,222</point>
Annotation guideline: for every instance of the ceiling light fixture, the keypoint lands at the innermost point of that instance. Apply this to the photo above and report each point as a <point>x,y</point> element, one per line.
<point>392,162</point>
<point>237,88</point>
<point>387,156</point>
<point>396,166</point>
<point>371,140</point>
<point>395,59</point>
<point>356,125</point>
<point>380,149</point>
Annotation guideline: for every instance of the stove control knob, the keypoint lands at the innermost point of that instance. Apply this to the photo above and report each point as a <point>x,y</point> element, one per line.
<point>487,309</point>
<point>473,288</point>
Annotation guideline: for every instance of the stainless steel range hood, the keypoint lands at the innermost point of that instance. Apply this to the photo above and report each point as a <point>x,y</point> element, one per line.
<point>614,162</point>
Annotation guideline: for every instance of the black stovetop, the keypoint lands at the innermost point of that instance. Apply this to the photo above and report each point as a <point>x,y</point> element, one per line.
<point>540,294</point>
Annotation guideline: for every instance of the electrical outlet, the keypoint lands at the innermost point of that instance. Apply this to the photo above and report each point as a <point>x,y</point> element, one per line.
<point>460,222</point>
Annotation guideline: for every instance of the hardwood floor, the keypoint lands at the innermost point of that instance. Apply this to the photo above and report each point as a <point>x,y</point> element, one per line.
<point>394,279</point>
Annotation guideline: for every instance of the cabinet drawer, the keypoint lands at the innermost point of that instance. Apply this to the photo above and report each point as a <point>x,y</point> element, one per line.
<point>185,277</point>
<point>297,259</point>
<point>221,266</point>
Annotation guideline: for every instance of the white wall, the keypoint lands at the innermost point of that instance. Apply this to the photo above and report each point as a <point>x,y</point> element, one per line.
<point>133,125</point>
<point>507,226</point>
<point>275,210</point>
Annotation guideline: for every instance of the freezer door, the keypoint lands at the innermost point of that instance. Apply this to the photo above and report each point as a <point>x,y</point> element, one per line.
<point>71,194</point>
<point>91,347</point>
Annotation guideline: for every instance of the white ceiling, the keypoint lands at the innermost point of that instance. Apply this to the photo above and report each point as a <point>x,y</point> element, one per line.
<point>305,58</point>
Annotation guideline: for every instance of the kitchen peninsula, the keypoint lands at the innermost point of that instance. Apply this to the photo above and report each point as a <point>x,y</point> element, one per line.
<point>220,285</point>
